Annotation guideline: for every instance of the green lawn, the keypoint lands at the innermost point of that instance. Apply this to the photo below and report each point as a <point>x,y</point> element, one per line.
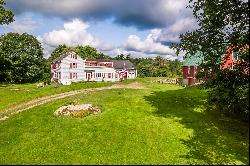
<point>164,124</point>
<point>13,94</point>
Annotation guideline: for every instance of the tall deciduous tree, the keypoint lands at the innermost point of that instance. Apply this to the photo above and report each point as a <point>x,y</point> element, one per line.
<point>21,58</point>
<point>58,51</point>
<point>87,52</point>
<point>222,23</point>
<point>6,16</point>
<point>84,52</point>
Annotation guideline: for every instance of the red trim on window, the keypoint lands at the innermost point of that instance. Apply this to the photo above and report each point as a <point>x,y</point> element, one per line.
<point>70,75</point>
<point>76,75</point>
<point>71,65</point>
<point>76,65</point>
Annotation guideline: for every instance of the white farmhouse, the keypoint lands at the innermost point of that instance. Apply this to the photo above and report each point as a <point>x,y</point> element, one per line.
<point>70,67</point>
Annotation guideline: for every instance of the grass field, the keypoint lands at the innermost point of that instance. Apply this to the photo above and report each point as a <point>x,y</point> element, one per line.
<point>164,124</point>
<point>13,94</point>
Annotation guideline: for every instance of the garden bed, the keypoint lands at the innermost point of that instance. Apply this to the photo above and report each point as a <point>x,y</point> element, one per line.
<point>78,111</point>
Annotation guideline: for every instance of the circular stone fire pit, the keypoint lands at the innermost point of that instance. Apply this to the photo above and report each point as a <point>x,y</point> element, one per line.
<point>78,111</point>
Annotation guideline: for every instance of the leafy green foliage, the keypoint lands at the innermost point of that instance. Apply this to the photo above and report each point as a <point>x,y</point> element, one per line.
<point>88,52</point>
<point>58,51</point>
<point>21,58</point>
<point>230,92</point>
<point>85,52</point>
<point>158,67</point>
<point>6,16</point>
<point>223,28</point>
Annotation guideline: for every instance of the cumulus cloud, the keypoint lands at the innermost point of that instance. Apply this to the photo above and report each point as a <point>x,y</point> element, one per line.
<point>171,33</point>
<point>23,24</point>
<point>143,14</point>
<point>148,46</point>
<point>73,33</point>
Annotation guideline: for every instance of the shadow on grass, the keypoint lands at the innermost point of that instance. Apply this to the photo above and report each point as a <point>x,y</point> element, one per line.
<point>216,139</point>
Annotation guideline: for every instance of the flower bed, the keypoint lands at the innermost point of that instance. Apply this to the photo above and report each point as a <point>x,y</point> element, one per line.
<point>78,111</point>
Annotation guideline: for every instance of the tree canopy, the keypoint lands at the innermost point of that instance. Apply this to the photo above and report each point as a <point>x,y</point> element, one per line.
<point>85,52</point>
<point>6,16</point>
<point>58,51</point>
<point>21,58</point>
<point>223,25</point>
<point>157,67</point>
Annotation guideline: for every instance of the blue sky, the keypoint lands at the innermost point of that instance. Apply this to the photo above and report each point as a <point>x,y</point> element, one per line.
<point>137,27</point>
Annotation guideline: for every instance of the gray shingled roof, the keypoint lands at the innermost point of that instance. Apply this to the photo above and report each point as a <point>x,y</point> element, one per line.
<point>99,60</point>
<point>118,64</point>
<point>58,59</point>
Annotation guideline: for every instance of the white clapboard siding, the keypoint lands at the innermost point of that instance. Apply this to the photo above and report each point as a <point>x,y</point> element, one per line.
<point>66,70</point>
<point>99,73</point>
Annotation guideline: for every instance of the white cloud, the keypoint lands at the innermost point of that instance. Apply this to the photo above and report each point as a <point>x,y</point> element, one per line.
<point>148,46</point>
<point>25,24</point>
<point>73,33</point>
<point>171,33</point>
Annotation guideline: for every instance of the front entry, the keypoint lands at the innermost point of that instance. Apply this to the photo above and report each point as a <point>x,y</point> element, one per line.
<point>88,76</point>
<point>190,81</point>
